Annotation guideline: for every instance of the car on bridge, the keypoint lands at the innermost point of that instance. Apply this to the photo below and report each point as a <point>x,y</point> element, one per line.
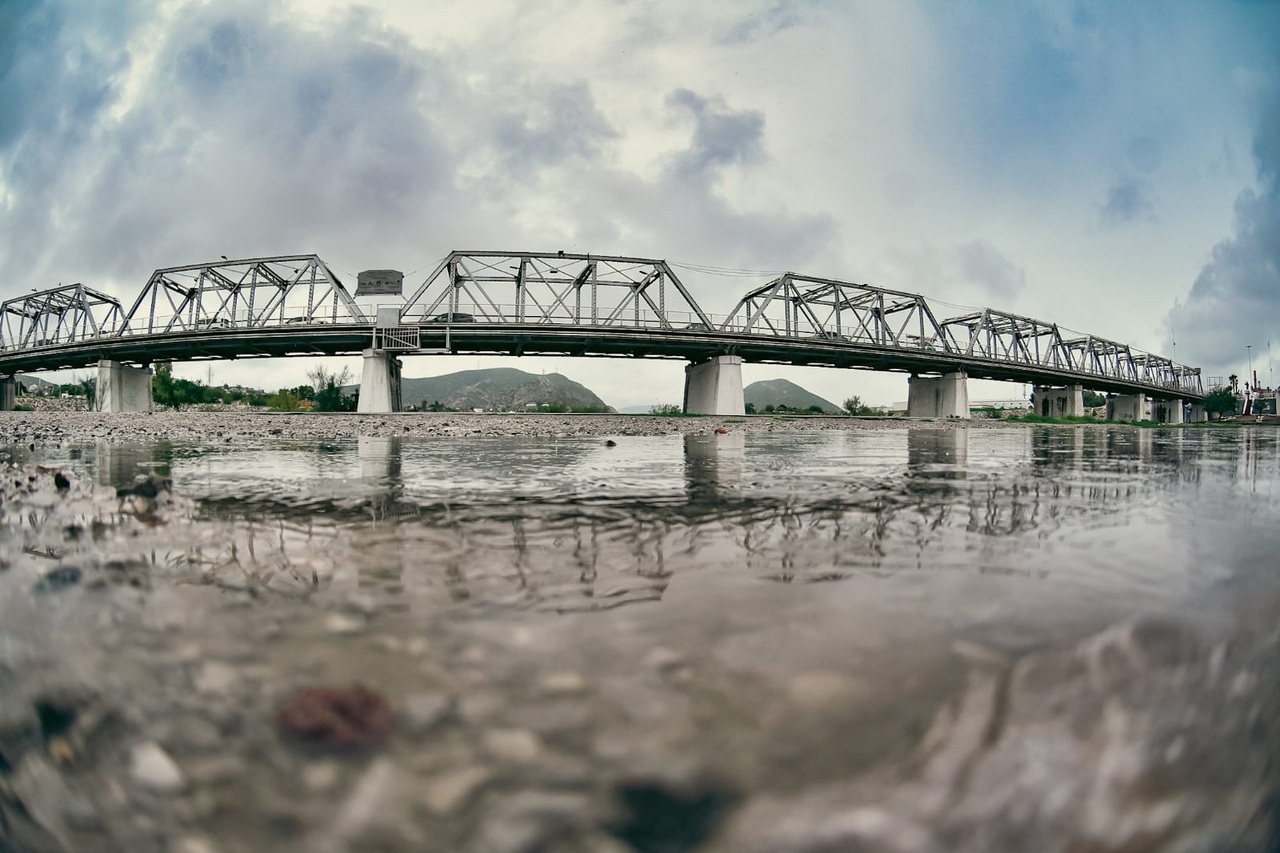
<point>452,318</point>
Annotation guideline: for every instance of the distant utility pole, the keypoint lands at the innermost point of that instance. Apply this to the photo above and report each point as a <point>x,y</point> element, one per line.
<point>1249,347</point>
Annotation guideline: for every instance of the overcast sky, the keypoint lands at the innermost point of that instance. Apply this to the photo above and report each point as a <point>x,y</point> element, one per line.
<point>1109,166</point>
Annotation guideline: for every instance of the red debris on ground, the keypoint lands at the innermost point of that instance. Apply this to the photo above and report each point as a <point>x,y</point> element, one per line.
<point>336,717</point>
<point>721,431</point>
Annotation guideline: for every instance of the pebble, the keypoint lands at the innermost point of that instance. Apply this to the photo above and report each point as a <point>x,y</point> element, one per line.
<point>320,775</point>
<point>194,844</point>
<point>514,746</point>
<point>340,623</point>
<point>152,768</point>
<point>816,691</point>
<point>424,711</point>
<point>663,658</point>
<point>451,791</point>
<point>563,682</point>
<point>216,677</point>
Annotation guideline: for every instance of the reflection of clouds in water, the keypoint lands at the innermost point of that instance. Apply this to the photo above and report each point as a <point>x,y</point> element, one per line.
<point>576,523</point>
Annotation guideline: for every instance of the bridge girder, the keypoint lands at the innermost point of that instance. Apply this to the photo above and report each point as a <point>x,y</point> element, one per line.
<point>527,302</point>
<point>63,314</point>
<point>560,287</point>
<point>249,293</point>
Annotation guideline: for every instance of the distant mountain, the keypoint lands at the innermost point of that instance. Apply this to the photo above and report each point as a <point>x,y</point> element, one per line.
<point>497,389</point>
<point>780,392</point>
<point>36,385</point>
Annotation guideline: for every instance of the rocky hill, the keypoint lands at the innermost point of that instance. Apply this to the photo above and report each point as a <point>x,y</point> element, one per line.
<point>780,392</point>
<point>503,389</point>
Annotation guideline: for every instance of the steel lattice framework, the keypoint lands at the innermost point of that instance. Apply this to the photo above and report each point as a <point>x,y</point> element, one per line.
<point>527,302</point>
<point>245,294</point>
<point>64,314</point>
<point>834,312</point>
<point>561,288</point>
<point>794,305</point>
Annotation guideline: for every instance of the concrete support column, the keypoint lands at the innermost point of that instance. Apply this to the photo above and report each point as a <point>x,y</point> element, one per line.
<point>946,396</point>
<point>1065,402</point>
<point>8,393</point>
<point>714,387</point>
<point>379,383</point>
<point>1166,411</point>
<point>1128,407</point>
<point>122,388</point>
<point>1198,414</point>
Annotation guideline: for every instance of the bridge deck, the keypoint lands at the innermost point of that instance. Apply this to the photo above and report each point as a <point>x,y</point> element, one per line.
<point>561,304</point>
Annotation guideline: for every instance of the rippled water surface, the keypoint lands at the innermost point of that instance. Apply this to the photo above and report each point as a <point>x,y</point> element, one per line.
<point>896,639</point>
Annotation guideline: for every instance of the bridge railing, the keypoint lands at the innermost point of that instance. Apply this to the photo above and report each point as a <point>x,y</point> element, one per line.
<point>575,290</point>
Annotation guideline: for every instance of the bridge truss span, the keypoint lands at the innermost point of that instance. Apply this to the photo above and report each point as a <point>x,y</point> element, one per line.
<point>64,314</point>
<point>1003,345</point>
<point>560,288</point>
<point>253,293</point>
<point>561,303</point>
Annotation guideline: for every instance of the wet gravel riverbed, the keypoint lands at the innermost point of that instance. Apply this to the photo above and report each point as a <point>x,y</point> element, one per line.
<point>246,632</point>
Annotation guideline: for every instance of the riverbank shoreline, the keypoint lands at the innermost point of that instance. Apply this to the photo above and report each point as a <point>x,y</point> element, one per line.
<point>53,427</point>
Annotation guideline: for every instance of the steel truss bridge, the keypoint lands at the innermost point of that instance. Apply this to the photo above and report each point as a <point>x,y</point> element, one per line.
<point>525,303</point>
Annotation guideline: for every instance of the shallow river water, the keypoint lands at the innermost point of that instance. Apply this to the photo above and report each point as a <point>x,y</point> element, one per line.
<point>908,639</point>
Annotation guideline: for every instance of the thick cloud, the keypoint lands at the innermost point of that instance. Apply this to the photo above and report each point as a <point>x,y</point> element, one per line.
<point>175,133</point>
<point>1128,200</point>
<point>1235,301</point>
<point>983,264</point>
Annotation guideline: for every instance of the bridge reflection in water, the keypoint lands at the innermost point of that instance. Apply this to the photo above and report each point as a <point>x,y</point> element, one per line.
<point>574,525</point>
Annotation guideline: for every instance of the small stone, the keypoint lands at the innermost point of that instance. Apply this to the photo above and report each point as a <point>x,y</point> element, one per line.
<point>821,690</point>
<point>516,746</point>
<point>662,658</point>
<point>152,768</point>
<point>60,751</point>
<point>195,844</point>
<point>216,677</point>
<point>217,770</point>
<point>452,790</point>
<point>339,623</point>
<point>564,682</point>
<point>58,579</point>
<point>320,775</point>
<point>336,717</point>
<point>424,711</point>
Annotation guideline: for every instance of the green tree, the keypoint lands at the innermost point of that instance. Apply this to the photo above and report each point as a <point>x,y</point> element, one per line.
<point>328,390</point>
<point>666,409</point>
<point>750,408</point>
<point>853,405</point>
<point>1092,399</point>
<point>168,390</point>
<point>1221,401</point>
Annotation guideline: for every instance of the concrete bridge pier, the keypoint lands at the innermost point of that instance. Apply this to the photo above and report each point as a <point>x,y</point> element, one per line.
<point>122,388</point>
<point>1166,411</point>
<point>945,396</point>
<point>379,383</point>
<point>1198,414</point>
<point>1128,407</point>
<point>714,387</point>
<point>8,393</point>
<point>1065,402</point>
